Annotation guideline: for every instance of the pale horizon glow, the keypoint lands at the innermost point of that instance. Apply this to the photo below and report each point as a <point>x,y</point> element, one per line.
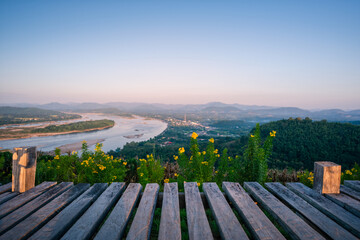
<point>288,54</point>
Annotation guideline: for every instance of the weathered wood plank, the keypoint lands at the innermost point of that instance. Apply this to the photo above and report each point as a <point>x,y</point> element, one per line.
<point>6,187</point>
<point>350,204</point>
<point>86,226</point>
<point>141,225</point>
<point>228,224</point>
<point>295,226</point>
<point>23,169</point>
<point>24,211</point>
<point>23,198</point>
<point>115,224</point>
<point>353,184</point>
<point>198,224</point>
<point>312,214</point>
<point>351,192</point>
<point>327,177</point>
<point>7,196</point>
<point>331,209</point>
<point>256,221</point>
<point>36,220</point>
<point>57,226</point>
<point>170,213</point>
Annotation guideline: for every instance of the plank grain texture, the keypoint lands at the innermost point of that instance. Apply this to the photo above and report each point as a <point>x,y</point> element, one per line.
<point>57,226</point>
<point>295,226</point>
<point>4,197</point>
<point>198,225</point>
<point>86,226</point>
<point>350,192</point>
<point>329,227</point>
<point>6,187</point>
<point>256,221</point>
<point>24,211</point>
<point>115,224</point>
<point>328,207</point>
<point>170,213</point>
<point>228,224</point>
<point>347,202</point>
<point>23,198</point>
<point>354,184</point>
<point>141,226</point>
<point>39,218</point>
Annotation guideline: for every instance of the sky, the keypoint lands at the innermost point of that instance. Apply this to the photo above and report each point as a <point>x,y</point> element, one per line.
<point>278,53</point>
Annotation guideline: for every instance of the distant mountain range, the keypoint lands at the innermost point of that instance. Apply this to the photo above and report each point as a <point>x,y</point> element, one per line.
<point>218,109</point>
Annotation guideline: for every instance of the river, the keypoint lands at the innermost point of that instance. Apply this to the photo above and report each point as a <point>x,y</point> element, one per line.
<point>125,130</point>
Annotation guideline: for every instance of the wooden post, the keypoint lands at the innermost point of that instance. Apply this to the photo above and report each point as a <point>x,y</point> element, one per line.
<point>327,176</point>
<point>24,169</point>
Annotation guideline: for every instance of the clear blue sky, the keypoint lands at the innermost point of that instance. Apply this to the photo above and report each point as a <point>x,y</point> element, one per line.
<point>281,53</point>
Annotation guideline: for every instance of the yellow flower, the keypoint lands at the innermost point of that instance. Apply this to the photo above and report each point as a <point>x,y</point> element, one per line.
<point>203,152</point>
<point>166,180</point>
<point>176,158</point>
<point>181,150</point>
<point>211,140</point>
<point>348,172</point>
<point>273,133</point>
<point>101,167</point>
<point>141,174</point>
<point>147,156</point>
<point>176,174</point>
<point>252,136</point>
<point>216,151</point>
<point>205,163</point>
<point>199,153</point>
<point>198,184</point>
<point>114,177</point>
<point>57,157</point>
<point>216,172</point>
<point>95,172</point>
<point>194,135</point>
<point>124,163</point>
<point>138,168</point>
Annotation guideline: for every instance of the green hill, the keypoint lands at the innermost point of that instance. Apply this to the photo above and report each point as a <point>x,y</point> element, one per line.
<point>300,143</point>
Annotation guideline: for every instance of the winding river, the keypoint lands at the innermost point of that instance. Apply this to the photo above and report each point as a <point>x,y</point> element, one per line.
<point>125,130</point>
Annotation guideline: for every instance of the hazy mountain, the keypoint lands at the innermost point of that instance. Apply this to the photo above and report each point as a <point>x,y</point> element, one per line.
<point>210,110</point>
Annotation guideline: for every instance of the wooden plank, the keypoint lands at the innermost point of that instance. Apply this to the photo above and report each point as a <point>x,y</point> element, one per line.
<point>353,184</point>
<point>87,225</point>
<point>228,224</point>
<point>170,213</point>
<point>327,176</point>
<point>7,196</point>
<point>36,220</point>
<point>198,224</point>
<point>115,224</point>
<point>256,221</point>
<point>23,198</point>
<point>6,187</point>
<point>329,208</point>
<point>24,211</point>
<point>23,169</point>
<point>351,192</point>
<point>350,204</point>
<point>312,214</point>
<point>57,226</point>
<point>141,225</point>
<point>295,226</point>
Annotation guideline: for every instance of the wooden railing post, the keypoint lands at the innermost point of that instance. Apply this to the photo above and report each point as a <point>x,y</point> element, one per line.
<point>327,177</point>
<point>23,169</point>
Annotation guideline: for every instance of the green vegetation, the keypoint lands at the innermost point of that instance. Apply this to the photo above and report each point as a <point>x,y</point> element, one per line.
<point>77,126</point>
<point>89,167</point>
<point>15,115</point>
<point>300,143</point>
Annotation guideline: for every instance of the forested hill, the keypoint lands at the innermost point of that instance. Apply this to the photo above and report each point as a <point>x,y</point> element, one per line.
<point>300,143</point>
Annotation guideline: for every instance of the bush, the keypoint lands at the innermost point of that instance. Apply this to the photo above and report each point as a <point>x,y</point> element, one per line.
<point>90,167</point>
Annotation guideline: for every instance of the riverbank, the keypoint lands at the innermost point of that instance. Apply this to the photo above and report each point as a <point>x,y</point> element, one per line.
<point>22,135</point>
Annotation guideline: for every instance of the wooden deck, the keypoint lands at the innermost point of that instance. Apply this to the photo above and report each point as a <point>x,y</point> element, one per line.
<point>120,211</point>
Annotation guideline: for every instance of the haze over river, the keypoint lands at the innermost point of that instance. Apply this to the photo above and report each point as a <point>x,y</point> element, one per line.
<point>125,130</point>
